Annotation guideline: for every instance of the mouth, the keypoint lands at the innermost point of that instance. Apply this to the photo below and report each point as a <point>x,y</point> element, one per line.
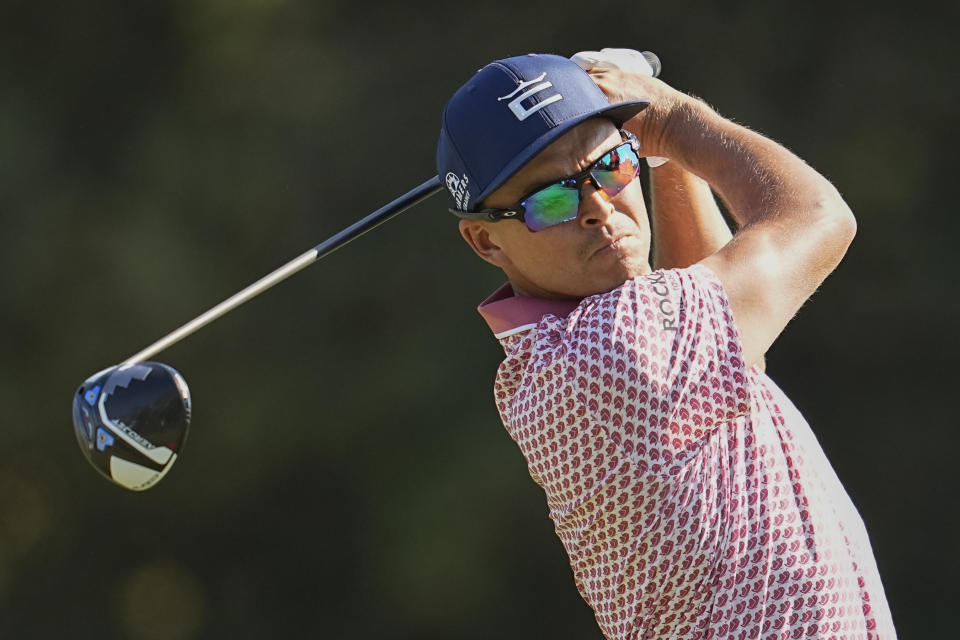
<point>610,245</point>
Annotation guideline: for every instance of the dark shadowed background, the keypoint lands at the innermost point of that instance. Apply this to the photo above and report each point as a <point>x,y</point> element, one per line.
<point>347,475</point>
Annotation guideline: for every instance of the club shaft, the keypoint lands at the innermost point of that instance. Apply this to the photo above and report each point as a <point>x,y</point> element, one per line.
<point>325,248</point>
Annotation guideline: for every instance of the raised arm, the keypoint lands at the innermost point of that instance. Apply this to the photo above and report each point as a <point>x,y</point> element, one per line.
<point>794,226</point>
<point>687,224</point>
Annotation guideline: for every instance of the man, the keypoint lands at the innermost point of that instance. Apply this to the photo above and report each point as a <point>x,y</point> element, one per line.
<point>690,495</point>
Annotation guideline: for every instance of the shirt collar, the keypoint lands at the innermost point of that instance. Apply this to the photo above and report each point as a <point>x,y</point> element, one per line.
<point>507,313</point>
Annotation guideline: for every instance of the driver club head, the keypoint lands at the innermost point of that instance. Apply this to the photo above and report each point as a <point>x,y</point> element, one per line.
<point>131,422</point>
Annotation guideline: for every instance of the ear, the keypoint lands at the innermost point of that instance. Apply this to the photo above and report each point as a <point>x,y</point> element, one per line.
<point>477,235</point>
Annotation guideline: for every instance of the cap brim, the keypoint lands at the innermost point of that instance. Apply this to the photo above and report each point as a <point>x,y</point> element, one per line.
<point>618,113</point>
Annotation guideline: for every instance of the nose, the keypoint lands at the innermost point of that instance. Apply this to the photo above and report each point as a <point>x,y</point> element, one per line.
<point>595,206</point>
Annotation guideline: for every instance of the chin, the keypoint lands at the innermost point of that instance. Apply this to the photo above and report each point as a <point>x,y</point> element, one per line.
<point>630,267</point>
<point>617,279</point>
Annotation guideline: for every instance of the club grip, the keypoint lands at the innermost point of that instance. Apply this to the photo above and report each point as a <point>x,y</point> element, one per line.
<point>653,61</point>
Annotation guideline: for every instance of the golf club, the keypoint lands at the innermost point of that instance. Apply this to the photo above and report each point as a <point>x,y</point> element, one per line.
<point>131,419</point>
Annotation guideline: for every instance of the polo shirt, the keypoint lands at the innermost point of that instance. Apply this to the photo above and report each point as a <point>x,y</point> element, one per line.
<point>691,497</point>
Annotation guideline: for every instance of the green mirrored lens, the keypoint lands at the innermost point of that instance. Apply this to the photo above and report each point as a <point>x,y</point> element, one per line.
<point>553,205</point>
<point>560,201</point>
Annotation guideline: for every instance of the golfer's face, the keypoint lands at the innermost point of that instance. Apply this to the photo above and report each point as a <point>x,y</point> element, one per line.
<point>607,244</point>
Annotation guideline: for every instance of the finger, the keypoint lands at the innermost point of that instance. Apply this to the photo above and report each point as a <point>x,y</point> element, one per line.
<point>587,60</point>
<point>625,59</point>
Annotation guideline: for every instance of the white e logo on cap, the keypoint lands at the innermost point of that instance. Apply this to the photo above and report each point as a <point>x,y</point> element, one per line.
<point>518,109</point>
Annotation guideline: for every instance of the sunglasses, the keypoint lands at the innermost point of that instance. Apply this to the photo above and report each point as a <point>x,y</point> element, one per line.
<point>559,202</point>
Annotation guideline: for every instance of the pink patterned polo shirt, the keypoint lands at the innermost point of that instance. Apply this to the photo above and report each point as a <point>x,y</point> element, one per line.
<point>692,498</point>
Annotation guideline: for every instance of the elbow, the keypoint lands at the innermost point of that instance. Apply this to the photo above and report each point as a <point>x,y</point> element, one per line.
<point>836,217</point>
<point>845,225</point>
<point>850,228</point>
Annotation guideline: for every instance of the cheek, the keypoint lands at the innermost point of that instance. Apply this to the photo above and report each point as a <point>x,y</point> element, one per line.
<point>551,251</point>
<point>630,202</point>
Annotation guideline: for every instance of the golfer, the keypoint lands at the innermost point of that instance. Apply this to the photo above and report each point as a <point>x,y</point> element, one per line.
<point>690,495</point>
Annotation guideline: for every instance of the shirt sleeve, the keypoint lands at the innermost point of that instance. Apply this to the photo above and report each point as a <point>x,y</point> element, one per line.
<point>658,362</point>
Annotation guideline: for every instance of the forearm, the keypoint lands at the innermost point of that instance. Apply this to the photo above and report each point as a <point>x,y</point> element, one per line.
<point>794,226</point>
<point>756,177</point>
<point>687,223</point>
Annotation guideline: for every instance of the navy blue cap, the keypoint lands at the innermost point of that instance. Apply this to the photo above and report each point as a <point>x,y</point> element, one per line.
<point>508,113</point>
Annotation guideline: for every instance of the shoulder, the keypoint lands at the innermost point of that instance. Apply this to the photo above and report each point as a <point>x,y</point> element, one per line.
<point>660,301</point>
<point>651,321</point>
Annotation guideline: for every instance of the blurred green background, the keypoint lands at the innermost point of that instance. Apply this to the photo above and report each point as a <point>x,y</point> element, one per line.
<point>347,475</point>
